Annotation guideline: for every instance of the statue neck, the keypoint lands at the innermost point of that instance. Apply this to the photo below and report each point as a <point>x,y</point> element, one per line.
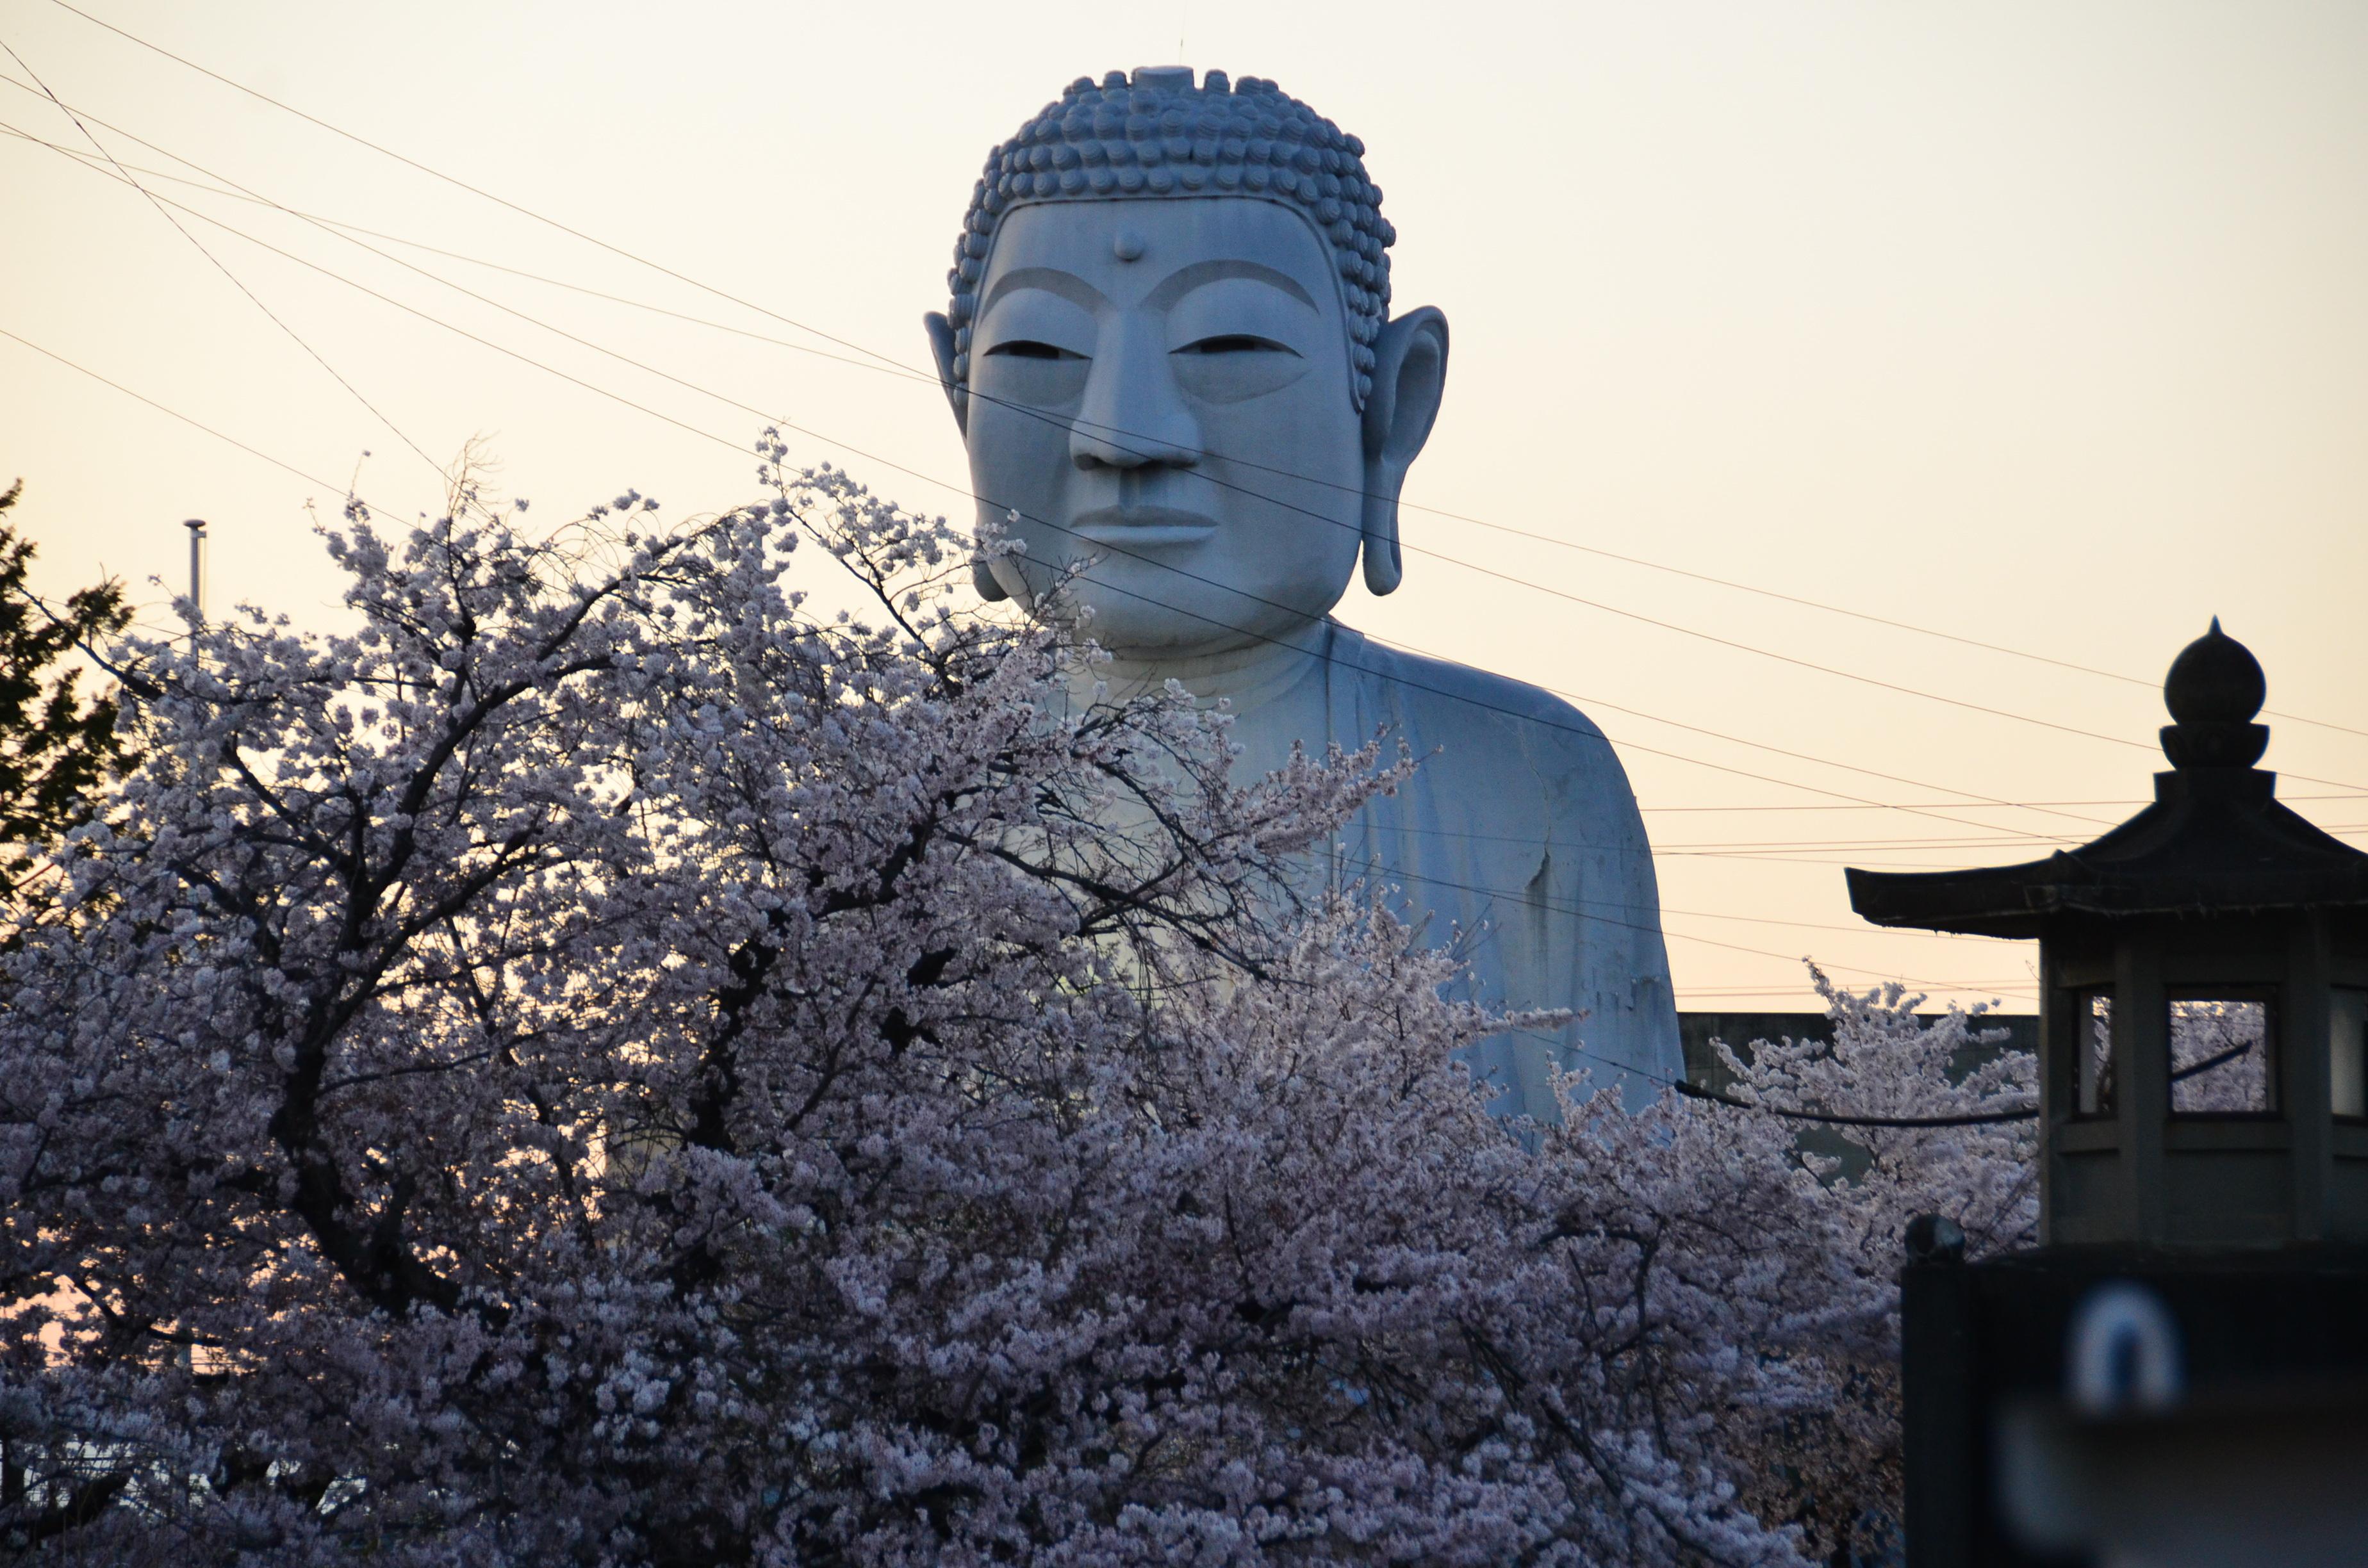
<point>1254,676</point>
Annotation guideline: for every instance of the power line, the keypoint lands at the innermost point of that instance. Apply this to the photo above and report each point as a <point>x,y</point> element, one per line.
<point>760,412</point>
<point>902,468</point>
<point>231,190</point>
<point>1687,1089</point>
<point>880,365</point>
<point>751,409</point>
<point>2002,839</point>
<point>818,435</point>
<point>1586,733</point>
<point>1771,851</point>
<point>1961,805</point>
<point>1307,512</point>
<point>1661,909</point>
<point>895,364</point>
<point>219,266</point>
<point>1397,874</point>
<point>1478,891</point>
<point>172,413</point>
<point>1664,932</point>
<point>1738,990</point>
<point>1678,1085</point>
<point>463,185</point>
<point>763,413</point>
<point>1693,1091</point>
<point>1692,914</point>
<point>1667,910</point>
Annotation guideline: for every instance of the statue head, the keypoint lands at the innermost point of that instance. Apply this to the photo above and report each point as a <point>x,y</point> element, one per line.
<point>1170,354</point>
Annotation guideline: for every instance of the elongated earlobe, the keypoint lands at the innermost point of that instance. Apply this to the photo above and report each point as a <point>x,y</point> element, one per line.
<point>1409,379</point>
<point>1385,568</point>
<point>941,349</point>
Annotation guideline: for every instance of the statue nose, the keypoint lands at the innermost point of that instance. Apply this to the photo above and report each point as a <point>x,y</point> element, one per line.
<point>1122,447</point>
<point>1132,416</point>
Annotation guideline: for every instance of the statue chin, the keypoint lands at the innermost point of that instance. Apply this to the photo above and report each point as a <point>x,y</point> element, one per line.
<point>1173,368</point>
<point>1144,612</point>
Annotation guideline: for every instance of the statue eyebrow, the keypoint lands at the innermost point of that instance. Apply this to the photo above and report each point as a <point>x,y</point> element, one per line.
<point>1052,281</point>
<point>1184,280</point>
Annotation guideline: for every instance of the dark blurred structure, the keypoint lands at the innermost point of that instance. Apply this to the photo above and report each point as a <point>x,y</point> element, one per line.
<point>1696,1030</point>
<point>2179,1372</point>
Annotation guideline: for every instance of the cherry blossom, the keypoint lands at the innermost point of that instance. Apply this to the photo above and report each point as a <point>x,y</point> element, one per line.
<point>610,1061</point>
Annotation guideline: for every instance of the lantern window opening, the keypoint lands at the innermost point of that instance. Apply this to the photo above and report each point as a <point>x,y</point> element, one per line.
<point>2222,1043</point>
<point>2346,1064</point>
<point>2092,1065</point>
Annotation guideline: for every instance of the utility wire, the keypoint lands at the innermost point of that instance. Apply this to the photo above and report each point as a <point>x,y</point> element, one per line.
<point>1559,907</point>
<point>1679,1086</point>
<point>1694,1091</point>
<point>172,413</point>
<point>827,440</point>
<point>2001,840</point>
<point>897,365</point>
<point>219,266</point>
<point>315,479</point>
<point>328,227</point>
<point>1462,886</point>
<point>820,436</point>
<point>1109,432</point>
<point>228,190</point>
<point>879,365</point>
<point>1482,891</point>
<point>1686,1089</point>
<point>482,194</point>
<point>1959,805</point>
<point>763,413</point>
<point>749,408</point>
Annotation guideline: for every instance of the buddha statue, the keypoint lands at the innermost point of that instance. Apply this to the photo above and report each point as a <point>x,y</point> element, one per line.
<point>1170,354</point>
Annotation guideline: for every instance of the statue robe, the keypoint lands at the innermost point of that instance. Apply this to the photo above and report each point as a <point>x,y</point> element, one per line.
<point>1517,845</point>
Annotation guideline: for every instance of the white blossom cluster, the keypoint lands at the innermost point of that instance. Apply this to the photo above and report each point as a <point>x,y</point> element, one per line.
<point>607,1063</point>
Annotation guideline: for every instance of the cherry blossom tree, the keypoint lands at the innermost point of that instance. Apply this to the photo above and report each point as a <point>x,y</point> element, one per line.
<point>1895,1116</point>
<point>608,1060</point>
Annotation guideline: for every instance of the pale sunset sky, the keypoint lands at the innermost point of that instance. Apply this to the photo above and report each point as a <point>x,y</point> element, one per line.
<point>2042,325</point>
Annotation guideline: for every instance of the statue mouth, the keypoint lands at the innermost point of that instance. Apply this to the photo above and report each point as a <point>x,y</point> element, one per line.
<point>1134,527</point>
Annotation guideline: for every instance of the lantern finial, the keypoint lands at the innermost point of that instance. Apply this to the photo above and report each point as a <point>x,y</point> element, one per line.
<point>2215,687</point>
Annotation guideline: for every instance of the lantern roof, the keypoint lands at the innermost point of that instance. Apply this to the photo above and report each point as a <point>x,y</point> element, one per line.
<point>2216,839</point>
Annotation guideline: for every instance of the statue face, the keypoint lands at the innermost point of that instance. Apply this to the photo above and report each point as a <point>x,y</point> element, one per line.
<point>1160,389</point>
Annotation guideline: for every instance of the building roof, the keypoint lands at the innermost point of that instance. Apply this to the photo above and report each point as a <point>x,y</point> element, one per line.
<point>2215,840</point>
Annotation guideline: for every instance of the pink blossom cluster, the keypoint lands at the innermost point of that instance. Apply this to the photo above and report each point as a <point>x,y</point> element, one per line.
<point>605,1061</point>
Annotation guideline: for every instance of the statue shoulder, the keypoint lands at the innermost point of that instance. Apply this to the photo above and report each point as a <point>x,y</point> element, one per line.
<point>1440,702</point>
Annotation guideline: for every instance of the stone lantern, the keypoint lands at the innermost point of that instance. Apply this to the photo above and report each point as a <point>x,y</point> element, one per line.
<point>2177,1373</point>
<point>2205,982</point>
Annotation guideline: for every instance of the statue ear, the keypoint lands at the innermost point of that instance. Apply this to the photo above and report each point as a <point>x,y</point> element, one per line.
<point>1410,378</point>
<point>941,349</point>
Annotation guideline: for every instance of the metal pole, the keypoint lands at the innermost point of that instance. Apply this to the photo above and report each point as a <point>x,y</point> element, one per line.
<point>197,526</point>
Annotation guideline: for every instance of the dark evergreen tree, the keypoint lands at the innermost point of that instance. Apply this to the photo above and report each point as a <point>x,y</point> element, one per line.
<point>57,747</point>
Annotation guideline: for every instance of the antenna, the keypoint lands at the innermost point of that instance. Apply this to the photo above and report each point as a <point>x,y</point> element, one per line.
<point>197,526</point>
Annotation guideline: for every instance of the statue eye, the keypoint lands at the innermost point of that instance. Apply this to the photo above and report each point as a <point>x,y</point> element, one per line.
<point>1029,348</point>
<point>1233,367</point>
<point>1031,373</point>
<point>1237,343</point>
